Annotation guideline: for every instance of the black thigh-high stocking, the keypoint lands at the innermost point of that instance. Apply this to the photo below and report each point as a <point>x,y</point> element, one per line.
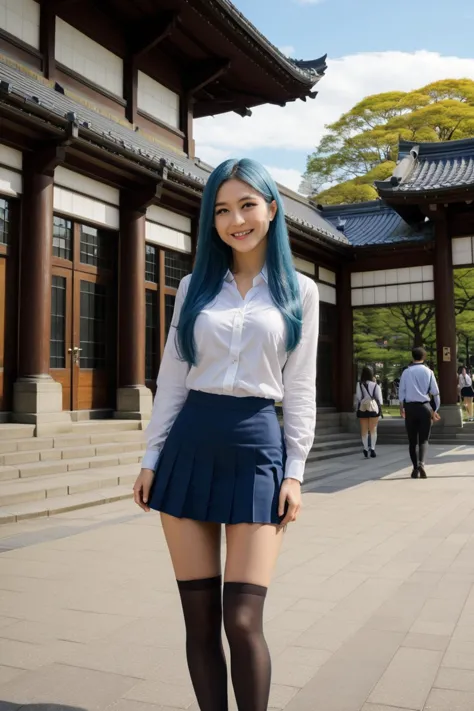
<point>202,608</point>
<point>250,658</point>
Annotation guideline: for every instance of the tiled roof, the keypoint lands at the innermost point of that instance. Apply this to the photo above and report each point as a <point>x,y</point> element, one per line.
<point>374,223</point>
<point>431,167</point>
<point>309,71</point>
<point>34,90</point>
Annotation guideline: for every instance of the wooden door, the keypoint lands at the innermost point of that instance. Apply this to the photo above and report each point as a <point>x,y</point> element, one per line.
<point>93,347</point>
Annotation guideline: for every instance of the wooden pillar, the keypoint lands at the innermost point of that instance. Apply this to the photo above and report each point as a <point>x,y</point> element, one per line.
<point>134,399</point>
<point>345,342</point>
<point>37,397</point>
<point>47,40</point>
<point>445,319</point>
<point>35,272</point>
<point>132,298</point>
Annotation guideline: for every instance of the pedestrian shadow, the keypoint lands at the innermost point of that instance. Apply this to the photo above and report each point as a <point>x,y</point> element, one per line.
<point>382,469</point>
<point>12,706</point>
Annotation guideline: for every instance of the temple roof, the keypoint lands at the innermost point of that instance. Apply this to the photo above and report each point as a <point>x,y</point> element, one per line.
<point>308,71</point>
<point>374,223</point>
<point>431,168</point>
<point>37,96</point>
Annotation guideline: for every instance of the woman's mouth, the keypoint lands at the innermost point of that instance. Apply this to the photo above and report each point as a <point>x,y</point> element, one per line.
<point>241,235</point>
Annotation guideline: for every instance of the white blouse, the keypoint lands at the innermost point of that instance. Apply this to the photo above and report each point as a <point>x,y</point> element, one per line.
<point>241,352</point>
<point>374,391</point>
<point>465,381</point>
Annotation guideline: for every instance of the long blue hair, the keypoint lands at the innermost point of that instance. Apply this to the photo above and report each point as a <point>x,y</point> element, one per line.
<point>214,258</point>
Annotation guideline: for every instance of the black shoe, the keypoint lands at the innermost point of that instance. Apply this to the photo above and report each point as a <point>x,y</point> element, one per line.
<point>421,469</point>
<point>414,474</point>
<point>372,453</point>
<point>366,454</point>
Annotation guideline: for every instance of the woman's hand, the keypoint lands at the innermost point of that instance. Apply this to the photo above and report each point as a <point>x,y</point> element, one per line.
<point>141,489</point>
<point>290,493</point>
<point>436,417</point>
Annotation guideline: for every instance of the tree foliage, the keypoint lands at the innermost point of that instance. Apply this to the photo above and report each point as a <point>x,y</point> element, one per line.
<point>362,146</point>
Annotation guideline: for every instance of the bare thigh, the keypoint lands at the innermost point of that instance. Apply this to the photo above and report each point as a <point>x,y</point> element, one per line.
<point>373,422</point>
<point>252,552</point>
<point>194,547</point>
<point>364,426</point>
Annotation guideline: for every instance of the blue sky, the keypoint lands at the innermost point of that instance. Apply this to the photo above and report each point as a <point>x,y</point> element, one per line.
<point>371,47</point>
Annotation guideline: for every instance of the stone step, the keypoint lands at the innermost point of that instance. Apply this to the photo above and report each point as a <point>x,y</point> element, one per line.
<point>62,504</point>
<point>11,431</point>
<point>334,436</point>
<point>81,451</point>
<point>62,466</point>
<point>69,440</point>
<point>323,430</point>
<point>48,487</point>
<point>101,426</point>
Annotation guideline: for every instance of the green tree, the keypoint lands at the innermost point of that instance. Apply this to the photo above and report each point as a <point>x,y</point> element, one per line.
<point>464,307</point>
<point>362,145</point>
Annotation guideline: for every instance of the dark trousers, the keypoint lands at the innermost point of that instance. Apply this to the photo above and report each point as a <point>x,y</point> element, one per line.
<point>418,426</point>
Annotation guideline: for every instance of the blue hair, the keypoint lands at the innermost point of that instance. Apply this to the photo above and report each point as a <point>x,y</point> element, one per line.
<point>214,258</point>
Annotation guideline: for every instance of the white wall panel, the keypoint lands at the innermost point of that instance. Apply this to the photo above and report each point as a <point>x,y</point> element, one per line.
<point>327,294</point>
<point>169,219</point>
<point>302,265</point>
<point>11,157</point>
<point>88,58</point>
<point>416,292</point>
<point>157,100</point>
<point>462,250</point>
<point>11,183</point>
<point>88,186</point>
<point>85,208</point>
<point>166,237</point>
<point>356,280</point>
<point>392,294</point>
<point>428,291</point>
<point>327,275</point>
<point>357,299</point>
<point>21,18</point>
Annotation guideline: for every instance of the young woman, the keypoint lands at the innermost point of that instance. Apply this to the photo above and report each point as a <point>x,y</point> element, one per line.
<point>467,393</point>
<point>367,389</point>
<point>244,335</point>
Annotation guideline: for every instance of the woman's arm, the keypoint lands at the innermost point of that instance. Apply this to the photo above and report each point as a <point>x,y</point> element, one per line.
<point>299,383</point>
<point>171,390</point>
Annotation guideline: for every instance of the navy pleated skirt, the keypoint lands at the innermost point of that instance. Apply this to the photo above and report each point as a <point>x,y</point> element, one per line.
<point>222,461</point>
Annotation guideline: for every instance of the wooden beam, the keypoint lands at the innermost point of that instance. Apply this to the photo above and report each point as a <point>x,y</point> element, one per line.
<point>55,5</point>
<point>147,34</point>
<point>47,40</point>
<point>205,72</point>
<point>130,88</point>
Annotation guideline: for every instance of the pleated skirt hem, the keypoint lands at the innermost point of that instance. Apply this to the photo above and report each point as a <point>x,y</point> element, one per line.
<point>222,462</point>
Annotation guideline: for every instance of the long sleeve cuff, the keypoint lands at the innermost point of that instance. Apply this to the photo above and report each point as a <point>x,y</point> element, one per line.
<point>294,469</point>
<point>150,459</point>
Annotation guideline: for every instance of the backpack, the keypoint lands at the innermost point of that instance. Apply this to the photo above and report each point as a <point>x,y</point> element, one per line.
<point>368,403</point>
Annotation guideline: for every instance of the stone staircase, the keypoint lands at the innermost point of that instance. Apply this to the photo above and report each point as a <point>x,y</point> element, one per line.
<point>392,431</point>
<point>98,463</point>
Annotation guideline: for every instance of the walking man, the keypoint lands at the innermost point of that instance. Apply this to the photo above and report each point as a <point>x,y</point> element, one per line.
<point>417,384</point>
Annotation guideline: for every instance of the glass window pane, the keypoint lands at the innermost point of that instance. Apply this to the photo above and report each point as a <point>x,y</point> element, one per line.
<point>62,238</point>
<point>151,335</point>
<point>169,308</point>
<point>176,267</point>
<point>58,322</point>
<point>93,325</point>
<point>95,247</point>
<point>151,263</point>
<point>4,221</point>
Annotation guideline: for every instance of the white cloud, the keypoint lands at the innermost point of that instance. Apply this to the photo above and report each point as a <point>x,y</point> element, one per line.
<point>288,50</point>
<point>300,125</point>
<point>286,176</point>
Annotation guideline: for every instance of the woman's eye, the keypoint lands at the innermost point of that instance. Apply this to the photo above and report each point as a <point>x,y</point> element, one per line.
<point>221,211</point>
<point>249,204</point>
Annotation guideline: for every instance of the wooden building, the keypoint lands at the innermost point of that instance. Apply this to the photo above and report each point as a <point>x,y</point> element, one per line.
<point>100,190</point>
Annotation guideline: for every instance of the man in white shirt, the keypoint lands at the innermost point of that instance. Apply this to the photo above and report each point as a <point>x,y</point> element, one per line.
<point>417,384</point>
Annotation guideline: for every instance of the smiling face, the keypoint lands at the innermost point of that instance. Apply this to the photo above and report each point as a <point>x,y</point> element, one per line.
<point>242,216</point>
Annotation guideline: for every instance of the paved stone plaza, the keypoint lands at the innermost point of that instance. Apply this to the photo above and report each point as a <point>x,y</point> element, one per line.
<point>371,609</point>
